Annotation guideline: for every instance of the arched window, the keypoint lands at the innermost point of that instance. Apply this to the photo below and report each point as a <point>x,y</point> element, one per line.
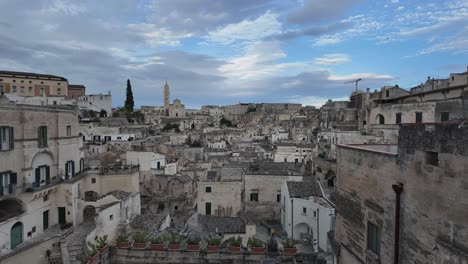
<point>381,119</point>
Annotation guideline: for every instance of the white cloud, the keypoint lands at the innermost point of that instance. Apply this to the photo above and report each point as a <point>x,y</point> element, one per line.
<point>259,61</point>
<point>395,1</point>
<point>62,7</point>
<point>249,30</point>
<point>364,76</point>
<point>400,8</point>
<point>154,36</point>
<point>329,59</point>
<point>458,46</point>
<point>328,40</point>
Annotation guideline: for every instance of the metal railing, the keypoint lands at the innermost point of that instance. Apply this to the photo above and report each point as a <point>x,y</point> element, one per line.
<point>36,186</point>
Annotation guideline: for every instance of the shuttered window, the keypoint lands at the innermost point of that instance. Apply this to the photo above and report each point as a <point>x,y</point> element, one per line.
<point>6,138</point>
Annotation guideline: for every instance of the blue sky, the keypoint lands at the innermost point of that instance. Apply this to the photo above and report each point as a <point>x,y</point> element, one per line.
<point>225,52</point>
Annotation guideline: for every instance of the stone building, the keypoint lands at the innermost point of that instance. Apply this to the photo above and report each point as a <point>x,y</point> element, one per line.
<point>405,201</point>
<point>291,152</point>
<point>32,84</point>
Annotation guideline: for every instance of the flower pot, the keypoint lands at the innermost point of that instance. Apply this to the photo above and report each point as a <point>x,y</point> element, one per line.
<point>159,247</point>
<point>94,259</point>
<point>212,248</point>
<point>290,251</point>
<point>173,246</point>
<point>257,250</point>
<point>137,245</point>
<point>193,248</point>
<point>123,244</point>
<point>104,249</point>
<point>234,249</point>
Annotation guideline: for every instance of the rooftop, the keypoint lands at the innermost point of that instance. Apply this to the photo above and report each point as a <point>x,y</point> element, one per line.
<point>31,75</point>
<point>303,189</point>
<point>271,168</point>
<point>388,149</point>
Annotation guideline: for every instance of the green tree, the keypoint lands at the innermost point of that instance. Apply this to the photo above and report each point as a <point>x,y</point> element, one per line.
<point>129,103</point>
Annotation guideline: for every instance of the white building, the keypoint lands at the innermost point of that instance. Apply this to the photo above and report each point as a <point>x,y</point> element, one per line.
<point>304,213</point>
<point>146,159</point>
<point>291,152</point>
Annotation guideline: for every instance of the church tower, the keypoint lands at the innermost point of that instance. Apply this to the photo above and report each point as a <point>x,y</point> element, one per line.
<point>167,98</point>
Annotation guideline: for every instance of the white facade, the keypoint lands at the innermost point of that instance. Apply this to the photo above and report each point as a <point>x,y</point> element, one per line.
<point>304,216</point>
<point>146,159</point>
<point>292,153</point>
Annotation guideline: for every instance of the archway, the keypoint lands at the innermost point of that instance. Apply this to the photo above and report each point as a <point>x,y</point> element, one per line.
<point>10,208</point>
<point>88,213</point>
<point>16,235</point>
<point>301,230</point>
<point>91,196</point>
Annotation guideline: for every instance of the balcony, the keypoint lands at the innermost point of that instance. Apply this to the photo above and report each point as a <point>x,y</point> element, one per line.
<point>37,186</point>
<point>8,190</point>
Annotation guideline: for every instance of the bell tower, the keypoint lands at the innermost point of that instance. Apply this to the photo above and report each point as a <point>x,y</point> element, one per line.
<point>167,98</point>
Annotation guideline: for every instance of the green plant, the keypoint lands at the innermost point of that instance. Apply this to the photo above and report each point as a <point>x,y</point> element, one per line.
<point>175,239</point>
<point>83,259</point>
<point>122,238</point>
<point>193,240</point>
<point>214,241</point>
<point>101,241</point>
<point>289,243</point>
<point>253,242</point>
<point>233,241</point>
<point>158,239</point>
<point>140,237</point>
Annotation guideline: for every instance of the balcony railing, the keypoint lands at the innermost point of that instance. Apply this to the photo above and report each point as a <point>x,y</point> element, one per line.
<point>10,189</point>
<point>36,186</point>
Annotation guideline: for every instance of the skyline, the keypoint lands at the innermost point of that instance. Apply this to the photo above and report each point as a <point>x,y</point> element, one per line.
<point>235,51</point>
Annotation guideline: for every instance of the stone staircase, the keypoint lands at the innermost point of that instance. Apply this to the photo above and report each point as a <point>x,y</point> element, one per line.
<point>73,245</point>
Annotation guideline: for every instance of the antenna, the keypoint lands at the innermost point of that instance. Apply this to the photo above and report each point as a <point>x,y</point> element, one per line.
<point>355,81</point>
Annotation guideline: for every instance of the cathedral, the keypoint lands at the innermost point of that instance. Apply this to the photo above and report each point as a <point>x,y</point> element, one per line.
<point>176,109</point>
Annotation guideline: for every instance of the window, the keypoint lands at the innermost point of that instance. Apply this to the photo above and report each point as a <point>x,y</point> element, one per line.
<point>6,138</point>
<point>45,198</point>
<point>254,197</point>
<point>58,84</point>
<point>59,91</point>
<point>208,208</point>
<point>208,189</point>
<point>304,210</point>
<point>278,197</point>
<point>14,89</point>
<point>111,217</point>
<point>30,89</point>
<point>315,213</point>
<point>285,159</point>
<point>7,183</point>
<point>381,120</point>
<point>373,238</point>
<point>69,169</point>
<point>444,116</point>
<point>68,131</point>
<point>42,137</point>
<point>432,158</point>
<point>14,81</point>
<point>42,91</point>
<point>93,180</point>
<point>176,208</point>
<point>33,229</point>
<point>398,118</point>
<point>418,117</point>
<point>42,175</point>
<point>387,93</point>
<point>22,89</point>
<point>22,81</point>
<point>30,81</point>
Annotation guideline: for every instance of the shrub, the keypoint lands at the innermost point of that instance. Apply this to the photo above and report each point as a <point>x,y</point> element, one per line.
<point>214,241</point>
<point>175,239</point>
<point>235,241</point>
<point>193,240</point>
<point>289,243</point>
<point>122,238</point>
<point>140,237</point>
<point>253,242</point>
<point>158,239</point>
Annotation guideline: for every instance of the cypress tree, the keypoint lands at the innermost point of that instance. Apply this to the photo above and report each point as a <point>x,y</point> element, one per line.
<point>129,100</point>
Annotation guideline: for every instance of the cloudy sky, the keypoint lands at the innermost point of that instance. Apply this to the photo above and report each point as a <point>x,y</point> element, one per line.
<point>230,51</point>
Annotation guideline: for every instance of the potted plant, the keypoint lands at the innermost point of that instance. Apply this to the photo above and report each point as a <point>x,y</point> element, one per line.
<point>157,242</point>
<point>122,241</point>
<point>93,253</point>
<point>174,242</point>
<point>140,239</point>
<point>289,247</point>
<point>234,244</point>
<point>102,244</point>
<point>213,243</point>
<point>256,246</point>
<point>193,244</point>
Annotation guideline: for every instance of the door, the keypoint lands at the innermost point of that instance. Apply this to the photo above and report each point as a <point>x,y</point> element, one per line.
<point>16,235</point>
<point>45,220</point>
<point>61,216</point>
<point>208,208</point>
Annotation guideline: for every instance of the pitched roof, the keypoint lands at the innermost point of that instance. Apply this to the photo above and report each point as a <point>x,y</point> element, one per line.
<point>222,225</point>
<point>303,189</point>
<point>31,75</point>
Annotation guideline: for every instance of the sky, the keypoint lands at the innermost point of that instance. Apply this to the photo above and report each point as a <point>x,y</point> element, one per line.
<point>229,51</point>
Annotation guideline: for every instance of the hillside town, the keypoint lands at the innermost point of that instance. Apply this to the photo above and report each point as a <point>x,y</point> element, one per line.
<point>378,178</point>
